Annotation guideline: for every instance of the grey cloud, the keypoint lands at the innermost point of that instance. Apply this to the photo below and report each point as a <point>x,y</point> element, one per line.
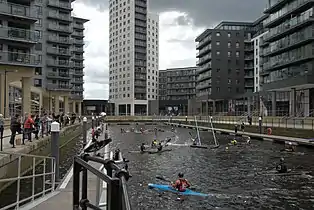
<point>182,63</point>
<point>203,12</point>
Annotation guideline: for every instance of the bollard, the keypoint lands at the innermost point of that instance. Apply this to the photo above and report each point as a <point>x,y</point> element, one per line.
<point>1,136</point>
<point>55,134</point>
<point>84,131</point>
<point>93,118</point>
<point>97,121</point>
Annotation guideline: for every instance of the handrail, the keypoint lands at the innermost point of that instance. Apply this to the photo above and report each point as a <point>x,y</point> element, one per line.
<point>36,159</point>
<point>117,194</point>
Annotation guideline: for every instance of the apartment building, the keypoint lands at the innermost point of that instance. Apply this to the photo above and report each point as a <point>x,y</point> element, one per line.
<point>226,64</point>
<point>288,55</point>
<point>177,83</point>
<point>17,44</point>
<point>133,56</point>
<point>43,44</point>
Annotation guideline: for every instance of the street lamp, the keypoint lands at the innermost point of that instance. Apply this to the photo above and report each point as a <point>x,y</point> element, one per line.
<point>5,91</point>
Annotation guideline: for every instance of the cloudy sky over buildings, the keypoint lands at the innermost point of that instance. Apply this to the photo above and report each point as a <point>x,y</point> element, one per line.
<point>180,22</point>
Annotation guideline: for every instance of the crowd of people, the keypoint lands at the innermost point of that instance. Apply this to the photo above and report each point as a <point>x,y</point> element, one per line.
<point>34,124</point>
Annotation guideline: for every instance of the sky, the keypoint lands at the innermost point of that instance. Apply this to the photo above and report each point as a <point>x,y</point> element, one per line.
<point>181,21</point>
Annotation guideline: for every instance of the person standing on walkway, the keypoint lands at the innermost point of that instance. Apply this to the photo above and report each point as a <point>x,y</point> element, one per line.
<point>36,126</point>
<point>15,127</point>
<point>28,128</point>
<point>1,126</point>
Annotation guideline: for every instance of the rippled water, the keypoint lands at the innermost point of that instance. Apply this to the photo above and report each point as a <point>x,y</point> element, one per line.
<point>233,177</point>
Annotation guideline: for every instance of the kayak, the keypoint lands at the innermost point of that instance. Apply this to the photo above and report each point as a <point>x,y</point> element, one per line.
<point>289,173</point>
<point>173,190</point>
<point>198,146</point>
<point>151,151</point>
<point>157,152</point>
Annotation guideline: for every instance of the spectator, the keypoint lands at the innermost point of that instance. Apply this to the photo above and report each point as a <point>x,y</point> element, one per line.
<point>36,126</point>
<point>28,127</point>
<point>15,127</point>
<point>1,126</point>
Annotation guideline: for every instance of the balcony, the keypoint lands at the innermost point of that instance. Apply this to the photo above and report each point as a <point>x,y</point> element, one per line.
<point>58,87</point>
<point>140,90</point>
<point>59,63</point>
<point>78,88</point>
<point>60,28</point>
<point>78,41</point>
<point>140,84</point>
<point>18,35</point>
<point>58,51</point>
<point>77,81</point>
<point>295,7</point>
<point>204,42</point>
<point>78,65</point>
<point>59,40</point>
<point>203,68</point>
<point>78,57</point>
<point>19,59</point>
<point>203,77</point>
<point>249,58</point>
<point>59,4</point>
<point>204,59</point>
<point>62,17</point>
<point>78,26</point>
<point>141,4</point>
<point>204,51</point>
<point>78,34</point>
<point>19,11</point>
<point>287,28</point>
<point>203,85</point>
<point>248,76</point>
<point>78,73</point>
<point>76,97</point>
<point>249,67</point>
<point>56,75</point>
<point>78,49</point>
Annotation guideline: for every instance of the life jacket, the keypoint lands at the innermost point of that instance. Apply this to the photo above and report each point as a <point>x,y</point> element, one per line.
<point>181,184</point>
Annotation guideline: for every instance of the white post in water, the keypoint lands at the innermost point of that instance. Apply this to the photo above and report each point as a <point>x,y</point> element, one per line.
<point>197,131</point>
<point>212,128</point>
<point>55,134</point>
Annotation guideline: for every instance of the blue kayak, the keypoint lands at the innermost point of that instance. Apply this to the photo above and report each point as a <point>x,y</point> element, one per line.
<point>173,190</point>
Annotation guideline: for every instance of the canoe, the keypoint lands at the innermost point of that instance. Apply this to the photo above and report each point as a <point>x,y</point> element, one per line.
<point>168,188</point>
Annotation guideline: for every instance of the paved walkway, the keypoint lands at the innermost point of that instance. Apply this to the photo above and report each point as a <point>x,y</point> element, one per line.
<point>62,198</point>
<point>299,141</point>
<point>297,125</point>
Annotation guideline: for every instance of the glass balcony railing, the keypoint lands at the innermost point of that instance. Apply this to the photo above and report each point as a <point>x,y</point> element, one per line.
<point>18,34</point>
<point>15,58</point>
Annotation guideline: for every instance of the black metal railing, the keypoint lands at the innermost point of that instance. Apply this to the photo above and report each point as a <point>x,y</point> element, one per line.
<point>116,179</point>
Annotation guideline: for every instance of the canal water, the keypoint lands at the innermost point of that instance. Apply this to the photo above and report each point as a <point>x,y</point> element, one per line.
<point>237,178</point>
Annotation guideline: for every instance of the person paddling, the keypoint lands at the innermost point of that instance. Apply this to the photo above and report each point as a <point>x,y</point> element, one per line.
<point>281,167</point>
<point>142,147</point>
<point>181,184</point>
<point>159,147</point>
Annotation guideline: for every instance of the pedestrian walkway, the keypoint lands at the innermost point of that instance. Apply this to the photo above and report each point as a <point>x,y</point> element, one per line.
<point>6,141</point>
<point>62,198</point>
<point>296,125</point>
<point>299,141</point>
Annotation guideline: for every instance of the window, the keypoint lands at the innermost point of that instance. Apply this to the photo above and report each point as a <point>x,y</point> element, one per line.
<point>218,34</point>
<point>217,52</point>
<point>229,54</point>
<point>229,34</point>
<point>237,45</point>
<point>229,44</point>
<point>218,43</point>
<point>229,81</point>
<point>237,54</point>
<point>218,89</point>
<point>229,71</point>
<point>229,89</point>
<point>37,82</point>
<point>218,70</point>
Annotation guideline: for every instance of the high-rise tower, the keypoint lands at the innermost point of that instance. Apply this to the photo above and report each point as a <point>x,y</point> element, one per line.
<point>133,56</point>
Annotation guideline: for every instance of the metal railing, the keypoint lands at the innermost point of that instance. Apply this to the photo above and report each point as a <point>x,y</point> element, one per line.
<point>45,163</point>
<point>114,180</point>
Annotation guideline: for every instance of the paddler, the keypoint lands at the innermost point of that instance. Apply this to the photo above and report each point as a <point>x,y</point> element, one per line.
<point>154,143</point>
<point>248,141</point>
<point>142,147</point>
<point>172,129</point>
<point>181,184</point>
<point>159,147</point>
<point>290,147</point>
<point>234,142</point>
<point>281,167</point>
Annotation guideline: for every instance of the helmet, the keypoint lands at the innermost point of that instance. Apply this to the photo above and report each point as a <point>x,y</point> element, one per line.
<point>180,175</point>
<point>282,159</point>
